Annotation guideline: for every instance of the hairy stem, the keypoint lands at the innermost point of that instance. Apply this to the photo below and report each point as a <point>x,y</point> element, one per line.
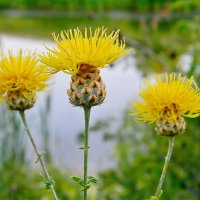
<point>86,147</point>
<point>39,156</point>
<point>164,171</point>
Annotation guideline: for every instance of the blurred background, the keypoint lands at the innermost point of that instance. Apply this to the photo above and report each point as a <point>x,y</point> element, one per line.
<point>126,156</point>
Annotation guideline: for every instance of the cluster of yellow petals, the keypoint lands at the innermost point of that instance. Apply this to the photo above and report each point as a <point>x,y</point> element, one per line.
<point>74,48</point>
<point>171,94</point>
<point>21,73</point>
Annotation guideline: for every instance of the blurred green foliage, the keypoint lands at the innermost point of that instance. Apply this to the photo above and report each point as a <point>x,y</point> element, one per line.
<point>160,47</point>
<point>12,145</point>
<point>139,154</point>
<point>143,5</point>
<point>102,5</point>
<point>17,184</point>
<point>45,112</point>
<point>20,182</point>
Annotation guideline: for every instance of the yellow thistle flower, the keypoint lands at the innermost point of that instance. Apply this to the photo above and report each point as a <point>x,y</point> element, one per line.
<point>75,49</point>
<point>81,55</point>
<point>171,98</point>
<point>21,76</point>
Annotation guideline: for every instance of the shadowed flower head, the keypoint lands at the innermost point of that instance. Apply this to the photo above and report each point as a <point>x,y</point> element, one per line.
<point>168,100</point>
<point>21,75</point>
<point>75,48</point>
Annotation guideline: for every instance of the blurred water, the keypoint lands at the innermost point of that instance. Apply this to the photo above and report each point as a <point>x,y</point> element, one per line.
<point>66,121</point>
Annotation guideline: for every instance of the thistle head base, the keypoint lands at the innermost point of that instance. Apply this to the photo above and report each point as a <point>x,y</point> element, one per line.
<point>170,128</point>
<point>87,87</point>
<point>16,100</point>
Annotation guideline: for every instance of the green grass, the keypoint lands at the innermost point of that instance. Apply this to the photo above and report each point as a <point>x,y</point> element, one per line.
<point>42,27</point>
<point>97,5</point>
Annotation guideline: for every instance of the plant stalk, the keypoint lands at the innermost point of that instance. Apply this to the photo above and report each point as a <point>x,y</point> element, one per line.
<point>164,171</point>
<point>39,156</point>
<point>86,147</point>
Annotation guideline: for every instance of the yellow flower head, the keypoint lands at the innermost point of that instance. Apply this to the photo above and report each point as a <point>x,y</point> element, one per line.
<point>21,73</point>
<point>73,48</point>
<point>172,96</point>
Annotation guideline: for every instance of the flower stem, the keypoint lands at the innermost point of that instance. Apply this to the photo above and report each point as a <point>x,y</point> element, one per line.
<point>86,147</point>
<point>39,156</point>
<point>167,159</point>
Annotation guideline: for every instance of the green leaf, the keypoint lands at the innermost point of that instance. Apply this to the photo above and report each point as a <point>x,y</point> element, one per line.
<point>78,179</point>
<point>153,198</point>
<point>82,148</point>
<point>160,194</point>
<point>156,197</point>
<point>48,183</point>
<point>86,187</point>
<point>91,179</point>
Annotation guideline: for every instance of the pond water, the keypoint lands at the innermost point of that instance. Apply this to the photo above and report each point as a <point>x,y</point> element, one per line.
<point>122,84</point>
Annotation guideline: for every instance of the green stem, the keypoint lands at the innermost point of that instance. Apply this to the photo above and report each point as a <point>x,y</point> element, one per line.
<point>39,156</point>
<point>164,171</point>
<point>86,147</point>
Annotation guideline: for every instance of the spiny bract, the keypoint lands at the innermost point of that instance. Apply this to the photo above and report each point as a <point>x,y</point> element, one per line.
<point>87,87</point>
